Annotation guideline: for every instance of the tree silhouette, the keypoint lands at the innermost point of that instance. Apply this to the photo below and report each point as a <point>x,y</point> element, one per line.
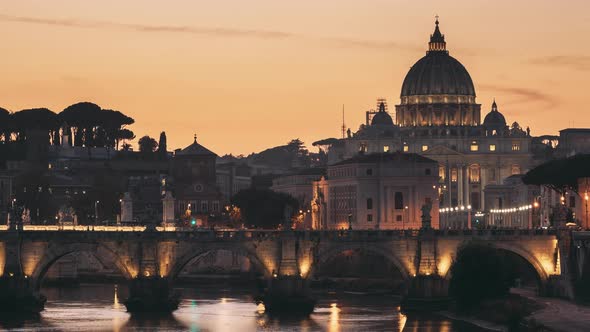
<point>147,145</point>
<point>263,208</point>
<point>82,117</point>
<point>25,121</point>
<point>91,126</point>
<point>5,124</point>
<point>162,145</point>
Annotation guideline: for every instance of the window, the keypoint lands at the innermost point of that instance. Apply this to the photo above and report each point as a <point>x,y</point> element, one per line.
<point>492,147</point>
<point>398,200</point>
<point>406,148</point>
<point>474,147</point>
<point>515,169</point>
<point>215,206</point>
<point>363,147</point>
<point>424,147</point>
<point>454,175</point>
<point>572,201</point>
<point>398,218</point>
<point>369,203</point>
<point>386,148</point>
<point>369,217</point>
<point>369,171</point>
<point>204,206</point>
<point>427,171</point>
<point>515,146</point>
<point>441,173</point>
<point>474,173</point>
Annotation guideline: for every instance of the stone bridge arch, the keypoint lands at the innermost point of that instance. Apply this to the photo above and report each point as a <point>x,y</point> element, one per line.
<point>512,247</point>
<point>324,254</point>
<point>193,252</point>
<point>55,251</point>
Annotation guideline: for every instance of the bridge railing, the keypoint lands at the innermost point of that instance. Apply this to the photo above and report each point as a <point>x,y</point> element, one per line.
<point>495,232</point>
<point>201,233</point>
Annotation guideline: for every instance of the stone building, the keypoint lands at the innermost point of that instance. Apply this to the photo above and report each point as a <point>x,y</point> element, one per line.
<point>512,204</point>
<point>233,177</point>
<point>195,183</point>
<point>438,117</point>
<point>376,191</point>
<point>299,185</point>
<point>573,141</point>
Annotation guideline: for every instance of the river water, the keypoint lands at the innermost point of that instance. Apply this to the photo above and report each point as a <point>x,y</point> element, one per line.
<point>92,307</point>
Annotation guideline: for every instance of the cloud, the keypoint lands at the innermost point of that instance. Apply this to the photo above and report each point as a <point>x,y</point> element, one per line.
<point>518,95</point>
<point>210,31</point>
<point>73,23</point>
<point>577,62</point>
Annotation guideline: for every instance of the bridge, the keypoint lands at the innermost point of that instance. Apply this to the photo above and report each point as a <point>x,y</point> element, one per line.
<point>151,260</point>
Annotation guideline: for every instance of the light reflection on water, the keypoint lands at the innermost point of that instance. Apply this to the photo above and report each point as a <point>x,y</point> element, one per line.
<point>99,308</point>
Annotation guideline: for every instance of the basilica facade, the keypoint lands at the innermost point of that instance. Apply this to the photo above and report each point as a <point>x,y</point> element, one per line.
<point>438,117</point>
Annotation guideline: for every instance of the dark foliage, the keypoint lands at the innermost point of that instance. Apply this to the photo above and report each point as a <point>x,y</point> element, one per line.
<point>263,208</point>
<point>147,145</point>
<point>560,174</point>
<point>162,145</point>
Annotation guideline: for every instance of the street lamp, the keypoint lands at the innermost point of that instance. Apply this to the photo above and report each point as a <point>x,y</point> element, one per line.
<point>96,212</point>
<point>586,199</point>
<point>406,215</point>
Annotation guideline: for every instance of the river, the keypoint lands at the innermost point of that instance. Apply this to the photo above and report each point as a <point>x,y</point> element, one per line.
<point>99,307</point>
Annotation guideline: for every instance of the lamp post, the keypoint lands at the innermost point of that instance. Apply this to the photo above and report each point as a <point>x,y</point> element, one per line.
<point>586,199</point>
<point>406,215</point>
<point>469,217</point>
<point>350,221</point>
<point>96,212</point>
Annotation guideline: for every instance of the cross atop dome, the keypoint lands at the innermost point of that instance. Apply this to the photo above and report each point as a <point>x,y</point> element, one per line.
<point>437,40</point>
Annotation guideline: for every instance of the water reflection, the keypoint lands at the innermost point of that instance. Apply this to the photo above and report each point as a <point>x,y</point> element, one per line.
<point>334,317</point>
<point>98,307</point>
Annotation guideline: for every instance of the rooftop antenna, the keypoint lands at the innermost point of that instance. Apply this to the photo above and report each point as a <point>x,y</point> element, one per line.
<point>343,124</point>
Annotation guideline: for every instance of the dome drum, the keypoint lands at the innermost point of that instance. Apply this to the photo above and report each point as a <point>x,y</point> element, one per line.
<point>438,99</point>
<point>438,90</point>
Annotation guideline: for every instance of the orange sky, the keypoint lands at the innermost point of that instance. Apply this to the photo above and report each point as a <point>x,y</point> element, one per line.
<point>247,75</point>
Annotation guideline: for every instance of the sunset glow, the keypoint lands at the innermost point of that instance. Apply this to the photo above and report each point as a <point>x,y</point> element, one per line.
<point>247,75</point>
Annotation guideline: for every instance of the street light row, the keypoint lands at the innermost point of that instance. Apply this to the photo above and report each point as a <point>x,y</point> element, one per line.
<point>511,210</point>
<point>455,209</point>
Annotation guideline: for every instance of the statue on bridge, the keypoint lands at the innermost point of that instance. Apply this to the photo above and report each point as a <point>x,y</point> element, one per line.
<point>426,218</point>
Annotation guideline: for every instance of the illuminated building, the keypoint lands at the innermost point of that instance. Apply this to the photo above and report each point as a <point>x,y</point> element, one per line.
<point>438,117</point>
<point>376,191</point>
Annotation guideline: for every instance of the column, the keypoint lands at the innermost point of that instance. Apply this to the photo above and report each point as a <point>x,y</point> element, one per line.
<point>459,184</point>
<point>167,209</point>
<point>466,186</point>
<point>484,182</point>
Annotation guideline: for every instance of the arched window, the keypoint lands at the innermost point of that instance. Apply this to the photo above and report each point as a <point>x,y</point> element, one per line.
<point>442,173</point>
<point>474,173</point>
<point>369,203</point>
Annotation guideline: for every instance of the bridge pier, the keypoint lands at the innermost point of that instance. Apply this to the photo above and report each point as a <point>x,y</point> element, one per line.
<point>151,295</point>
<point>427,292</point>
<point>288,295</point>
<point>18,294</point>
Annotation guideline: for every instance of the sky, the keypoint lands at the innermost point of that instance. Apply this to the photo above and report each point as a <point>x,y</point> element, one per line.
<point>248,75</point>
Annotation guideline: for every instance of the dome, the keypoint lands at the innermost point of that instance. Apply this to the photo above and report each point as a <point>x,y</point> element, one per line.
<point>382,117</point>
<point>494,118</point>
<point>437,73</point>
